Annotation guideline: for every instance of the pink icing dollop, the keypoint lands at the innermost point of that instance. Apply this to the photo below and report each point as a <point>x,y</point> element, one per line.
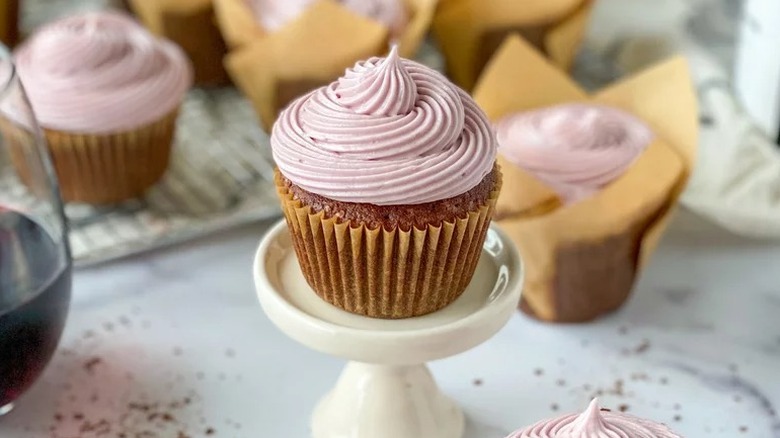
<point>576,149</point>
<point>273,14</point>
<point>389,132</point>
<point>101,72</point>
<point>596,423</point>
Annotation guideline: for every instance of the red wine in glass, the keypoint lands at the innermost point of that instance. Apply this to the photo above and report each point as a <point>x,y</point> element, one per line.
<point>35,287</point>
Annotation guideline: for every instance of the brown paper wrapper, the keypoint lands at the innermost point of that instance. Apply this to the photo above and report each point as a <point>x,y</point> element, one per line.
<point>239,26</point>
<point>104,168</point>
<point>312,51</point>
<point>386,273</point>
<point>191,25</point>
<point>271,73</point>
<point>470,31</point>
<point>582,260</point>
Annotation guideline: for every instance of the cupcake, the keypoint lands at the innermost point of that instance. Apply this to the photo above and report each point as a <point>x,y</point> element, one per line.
<point>106,94</point>
<point>470,31</point>
<point>594,178</point>
<point>387,179</point>
<point>190,24</point>
<point>596,422</point>
<point>283,49</point>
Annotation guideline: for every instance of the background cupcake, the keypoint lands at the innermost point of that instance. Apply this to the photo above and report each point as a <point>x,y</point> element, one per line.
<point>387,179</point>
<point>283,49</point>
<point>107,94</point>
<point>592,180</point>
<point>596,422</point>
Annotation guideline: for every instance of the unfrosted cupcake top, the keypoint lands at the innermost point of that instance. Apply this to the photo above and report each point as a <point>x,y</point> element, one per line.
<point>101,72</point>
<point>596,423</point>
<point>576,149</point>
<point>389,132</point>
<point>273,14</point>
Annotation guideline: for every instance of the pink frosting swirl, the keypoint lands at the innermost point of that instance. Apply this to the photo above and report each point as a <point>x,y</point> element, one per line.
<point>576,149</point>
<point>273,14</point>
<point>389,132</point>
<point>101,72</point>
<point>596,423</point>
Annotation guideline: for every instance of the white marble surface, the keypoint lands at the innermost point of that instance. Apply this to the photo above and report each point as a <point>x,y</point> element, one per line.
<point>698,346</point>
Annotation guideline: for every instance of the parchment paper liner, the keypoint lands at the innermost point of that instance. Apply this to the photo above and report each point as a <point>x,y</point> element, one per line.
<point>239,26</point>
<point>312,51</point>
<point>582,260</point>
<point>386,273</point>
<point>191,25</point>
<point>469,31</point>
<point>100,168</point>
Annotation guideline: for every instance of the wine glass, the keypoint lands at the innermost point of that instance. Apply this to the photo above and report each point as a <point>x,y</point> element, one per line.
<point>35,263</point>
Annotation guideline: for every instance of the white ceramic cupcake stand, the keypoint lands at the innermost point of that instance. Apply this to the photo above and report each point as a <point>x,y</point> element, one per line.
<point>386,390</point>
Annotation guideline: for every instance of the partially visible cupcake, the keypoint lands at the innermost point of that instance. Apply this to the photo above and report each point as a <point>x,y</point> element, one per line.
<point>591,181</point>
<point>107,94</point>
<point>388,180</point>
<point>596,422</point>
<point>244,21</point>
<point>281,49</point>
<point>191,24</point>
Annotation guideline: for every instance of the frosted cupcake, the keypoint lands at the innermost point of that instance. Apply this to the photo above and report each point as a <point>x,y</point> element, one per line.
<point>596,423</point>
<point>388,182</point>
<point>594,179</point>
<point>107,94</point>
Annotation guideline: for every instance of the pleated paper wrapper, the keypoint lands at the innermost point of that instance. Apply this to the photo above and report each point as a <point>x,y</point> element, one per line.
<point>272,69</point>
<point>582,260</point>
<point>100,168</point>
<point>386,273</point>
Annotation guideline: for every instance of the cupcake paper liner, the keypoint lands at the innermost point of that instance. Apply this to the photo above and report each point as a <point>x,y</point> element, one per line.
<point>101,168</point>
<point>582,260</point>
<point>386,273</point>
<point>239,26</point>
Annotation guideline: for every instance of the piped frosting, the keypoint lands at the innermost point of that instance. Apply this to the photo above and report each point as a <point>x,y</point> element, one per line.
<point>576,149</point>
<point>274,14</point>
<point>389,132</point>
<point>101,72</point>
<point>596,423</point>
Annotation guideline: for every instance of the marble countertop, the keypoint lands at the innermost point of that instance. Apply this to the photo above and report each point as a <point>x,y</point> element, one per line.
<point>174,344</point>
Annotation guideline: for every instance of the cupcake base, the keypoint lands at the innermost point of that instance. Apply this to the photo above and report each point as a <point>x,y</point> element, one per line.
<point>386,270</point>
<point>100,168</point>
<point>593,279</point>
